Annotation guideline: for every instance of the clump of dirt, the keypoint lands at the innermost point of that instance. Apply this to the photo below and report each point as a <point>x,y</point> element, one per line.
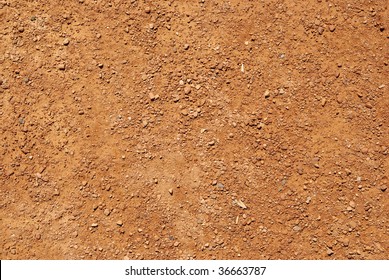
<point>194,129</point>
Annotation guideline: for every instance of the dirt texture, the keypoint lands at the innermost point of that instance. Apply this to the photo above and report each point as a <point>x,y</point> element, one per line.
<point>194,129</point>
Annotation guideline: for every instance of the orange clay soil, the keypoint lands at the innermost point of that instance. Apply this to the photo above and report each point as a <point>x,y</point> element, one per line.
<point>194,129</point>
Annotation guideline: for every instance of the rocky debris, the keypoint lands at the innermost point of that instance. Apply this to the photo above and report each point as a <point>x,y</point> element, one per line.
<point>240,203</point>
<point>212,143</point>
<point>352,225</point>
<point>153,96</point>
<point>145,123</point>
<point>176,97</point>
<point>187,89</point>
<point>297,228</point>
<point>184,112</point>
<point>292,119</point>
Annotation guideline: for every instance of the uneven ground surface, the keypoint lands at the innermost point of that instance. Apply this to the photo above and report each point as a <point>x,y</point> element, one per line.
<point>142,129</point>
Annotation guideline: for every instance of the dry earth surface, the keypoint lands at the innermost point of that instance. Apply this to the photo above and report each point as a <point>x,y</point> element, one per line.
<point>194,129</point>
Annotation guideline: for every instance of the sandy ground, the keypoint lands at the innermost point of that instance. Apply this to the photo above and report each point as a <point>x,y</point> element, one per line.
<point>194,129</point>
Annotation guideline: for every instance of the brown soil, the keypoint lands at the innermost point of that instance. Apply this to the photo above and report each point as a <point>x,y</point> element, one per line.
<point>142,129</point>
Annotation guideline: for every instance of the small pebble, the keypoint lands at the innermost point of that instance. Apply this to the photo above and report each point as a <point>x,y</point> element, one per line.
<point>119,223</point>
<point>171,191</point>
<point>176,97</point>
<point>153,96</point>
<point>187,89</point>
<point>61,66</point>
<point>296,228</point>
<point>107,212</point>
<point>211,143</point>
<point>94,225</point>
<point>353,224</point>
<point>66,41</point>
